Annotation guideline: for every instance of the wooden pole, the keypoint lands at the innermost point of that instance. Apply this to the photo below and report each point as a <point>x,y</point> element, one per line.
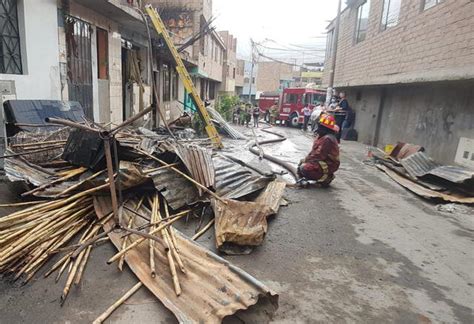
<point>116,305</point>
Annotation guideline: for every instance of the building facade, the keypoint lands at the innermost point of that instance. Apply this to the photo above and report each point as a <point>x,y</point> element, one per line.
<point>407,67</point>
<point>239,78</point>
<point>229,70</point>
<point>274,76</point>
<point>249,89</point>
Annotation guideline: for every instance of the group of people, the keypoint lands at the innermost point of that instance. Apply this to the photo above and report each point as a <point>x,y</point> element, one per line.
<point>338,107</point>
<point>244,113</point>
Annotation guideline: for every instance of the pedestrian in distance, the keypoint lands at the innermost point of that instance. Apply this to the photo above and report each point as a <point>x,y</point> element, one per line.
<point>274,113</point>
<point>344,114</point>
<point>306,115</point>
<point>238,112</point>
<point>256,116</point>
<point>247,114</point>
<point>323,160</point>
<point>316,114</point>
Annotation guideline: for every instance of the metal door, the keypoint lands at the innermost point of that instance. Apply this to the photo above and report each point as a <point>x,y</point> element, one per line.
<point>79,63</point>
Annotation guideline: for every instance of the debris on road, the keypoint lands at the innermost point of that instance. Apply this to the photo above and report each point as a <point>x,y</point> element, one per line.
<point>413,169</point>
<point>129,185</point>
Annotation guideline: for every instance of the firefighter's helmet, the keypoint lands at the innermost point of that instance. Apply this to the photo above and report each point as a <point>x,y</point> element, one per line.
<point>328,121</point>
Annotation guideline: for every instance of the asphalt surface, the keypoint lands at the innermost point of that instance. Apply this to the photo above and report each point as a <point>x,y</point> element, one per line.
<point>365,250</point>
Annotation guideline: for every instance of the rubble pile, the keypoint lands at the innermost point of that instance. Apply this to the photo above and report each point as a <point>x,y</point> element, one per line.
<point>94,183</point>
<point>412,168</point>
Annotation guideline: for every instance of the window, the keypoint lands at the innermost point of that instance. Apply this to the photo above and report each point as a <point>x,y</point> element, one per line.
<point>102,54</point>
<point>10,54</point>
<point>431,3</point>
<point>246,80</point>
<point>291,98</point>
<point>391,12</point>
<point>166,83</point>
<point>329,44</point>
<point>253,80</point>
<point>362,21</point>
<point>233,73</point>
<point>175,85</point>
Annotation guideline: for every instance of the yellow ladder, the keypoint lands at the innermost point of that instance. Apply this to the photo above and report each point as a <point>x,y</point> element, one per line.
<point>185,77</point>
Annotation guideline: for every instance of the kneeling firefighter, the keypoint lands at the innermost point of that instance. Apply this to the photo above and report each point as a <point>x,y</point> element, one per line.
<point>323,160</point>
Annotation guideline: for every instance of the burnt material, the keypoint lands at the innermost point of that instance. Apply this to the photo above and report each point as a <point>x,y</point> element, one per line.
<point>85,148</point>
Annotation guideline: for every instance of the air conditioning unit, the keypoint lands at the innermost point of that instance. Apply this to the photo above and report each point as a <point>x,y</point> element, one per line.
<point>7,92</point>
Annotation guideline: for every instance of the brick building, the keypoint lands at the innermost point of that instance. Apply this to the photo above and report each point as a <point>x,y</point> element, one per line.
<point>229,69</point>
<point>274,76</point>
<point>407,67</point>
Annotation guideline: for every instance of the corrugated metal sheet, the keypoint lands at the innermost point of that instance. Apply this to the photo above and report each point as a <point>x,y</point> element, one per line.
<point>199,163</point>
<point>212,288</point>
<point>419,164</point>
<point>225,125</point>
<point>177,190</point>
<point>234,180</point>
<point>403,150</point>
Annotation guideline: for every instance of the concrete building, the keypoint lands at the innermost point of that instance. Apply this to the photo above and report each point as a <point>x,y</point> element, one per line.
<point>407,67</point>
<point>239,78</point>
<point>274,76</point>
<point>249,89</point>
<point>229,71</point>
<point>74,50</point>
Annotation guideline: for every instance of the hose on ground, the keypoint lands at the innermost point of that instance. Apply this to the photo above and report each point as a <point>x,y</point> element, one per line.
<point>271,158</point>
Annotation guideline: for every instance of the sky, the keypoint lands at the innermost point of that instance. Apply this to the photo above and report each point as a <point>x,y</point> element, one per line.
<point>296,26</point>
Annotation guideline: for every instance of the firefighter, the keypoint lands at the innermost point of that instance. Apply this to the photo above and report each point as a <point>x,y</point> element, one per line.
<point>323,160</point>
<point>274,113</point>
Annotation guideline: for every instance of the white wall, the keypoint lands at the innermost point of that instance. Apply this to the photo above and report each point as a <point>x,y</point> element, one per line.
<point>38,23</point>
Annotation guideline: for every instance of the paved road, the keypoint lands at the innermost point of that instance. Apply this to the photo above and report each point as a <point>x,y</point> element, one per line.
<point>365,251</point>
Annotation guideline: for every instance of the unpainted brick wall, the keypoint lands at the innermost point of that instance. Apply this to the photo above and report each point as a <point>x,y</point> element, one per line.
<point>427,45</point>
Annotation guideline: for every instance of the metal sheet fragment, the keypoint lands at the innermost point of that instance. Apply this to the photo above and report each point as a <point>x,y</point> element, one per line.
<point>419,164</point>
<point>425,192</point>
<point>240,222</point>
<point>212,288</point>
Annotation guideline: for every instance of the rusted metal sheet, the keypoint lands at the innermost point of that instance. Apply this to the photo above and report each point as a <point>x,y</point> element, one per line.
<point>272,195</point>
<point>212,288</point>
<point>425,192</point>
<point>419,164</point>
<point>17,169</point>
<point>177,191</point>
<point>403,150</point>
<point>240,222</point>
<point>199,163</point>
<point>234,180</point>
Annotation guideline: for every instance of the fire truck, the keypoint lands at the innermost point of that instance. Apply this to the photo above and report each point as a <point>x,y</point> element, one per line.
<point>293,101</point>
<point>266,100</point>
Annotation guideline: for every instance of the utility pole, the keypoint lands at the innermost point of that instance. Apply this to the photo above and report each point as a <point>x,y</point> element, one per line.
<point>251,69</point>
<point>335,38</point>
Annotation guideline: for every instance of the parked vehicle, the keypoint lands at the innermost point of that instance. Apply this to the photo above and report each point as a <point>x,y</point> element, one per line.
<point>293,102</point>
<point>266,100</point>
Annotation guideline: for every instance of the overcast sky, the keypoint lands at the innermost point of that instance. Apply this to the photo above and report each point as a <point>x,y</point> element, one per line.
<point>287,22</point>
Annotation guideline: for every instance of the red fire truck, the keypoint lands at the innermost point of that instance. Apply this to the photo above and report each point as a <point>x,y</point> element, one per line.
<point>293,101</point>
<point>266,100</point>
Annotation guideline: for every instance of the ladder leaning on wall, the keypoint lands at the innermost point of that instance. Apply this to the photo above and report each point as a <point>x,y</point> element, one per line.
<point>184,76</point>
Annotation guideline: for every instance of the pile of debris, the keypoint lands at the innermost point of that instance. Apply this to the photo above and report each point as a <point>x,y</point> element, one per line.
<point>94,183</point>
<point>412,168</point>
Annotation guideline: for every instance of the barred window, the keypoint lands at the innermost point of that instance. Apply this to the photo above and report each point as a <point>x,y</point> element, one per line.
<point>10,56</point>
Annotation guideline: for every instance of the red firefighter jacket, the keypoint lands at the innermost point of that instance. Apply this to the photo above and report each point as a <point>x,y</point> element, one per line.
<point>323,160</point>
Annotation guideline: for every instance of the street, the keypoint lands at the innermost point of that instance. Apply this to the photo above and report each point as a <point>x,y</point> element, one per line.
<point>365,250</point>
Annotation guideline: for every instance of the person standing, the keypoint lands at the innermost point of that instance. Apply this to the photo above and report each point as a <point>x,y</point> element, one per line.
<point>247,115</point>
<point>273,113</point>
<point>323,160</point>
<point>256,116</point>
<point>345,110</point>
<point>306,115</point>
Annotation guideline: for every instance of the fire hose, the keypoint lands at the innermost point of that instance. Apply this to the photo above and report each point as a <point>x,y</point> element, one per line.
<point>259,152</point>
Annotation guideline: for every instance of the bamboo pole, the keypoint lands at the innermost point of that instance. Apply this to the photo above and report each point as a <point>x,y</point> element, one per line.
<point>80,183</point>
<point>154,217</point>
<point>139,241</point>
<point>213,194</point>
<point>115,305</point>
<point>129,225</point>
<point>172,243</point>
<point>203,230</point>
<point>21,204</point>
